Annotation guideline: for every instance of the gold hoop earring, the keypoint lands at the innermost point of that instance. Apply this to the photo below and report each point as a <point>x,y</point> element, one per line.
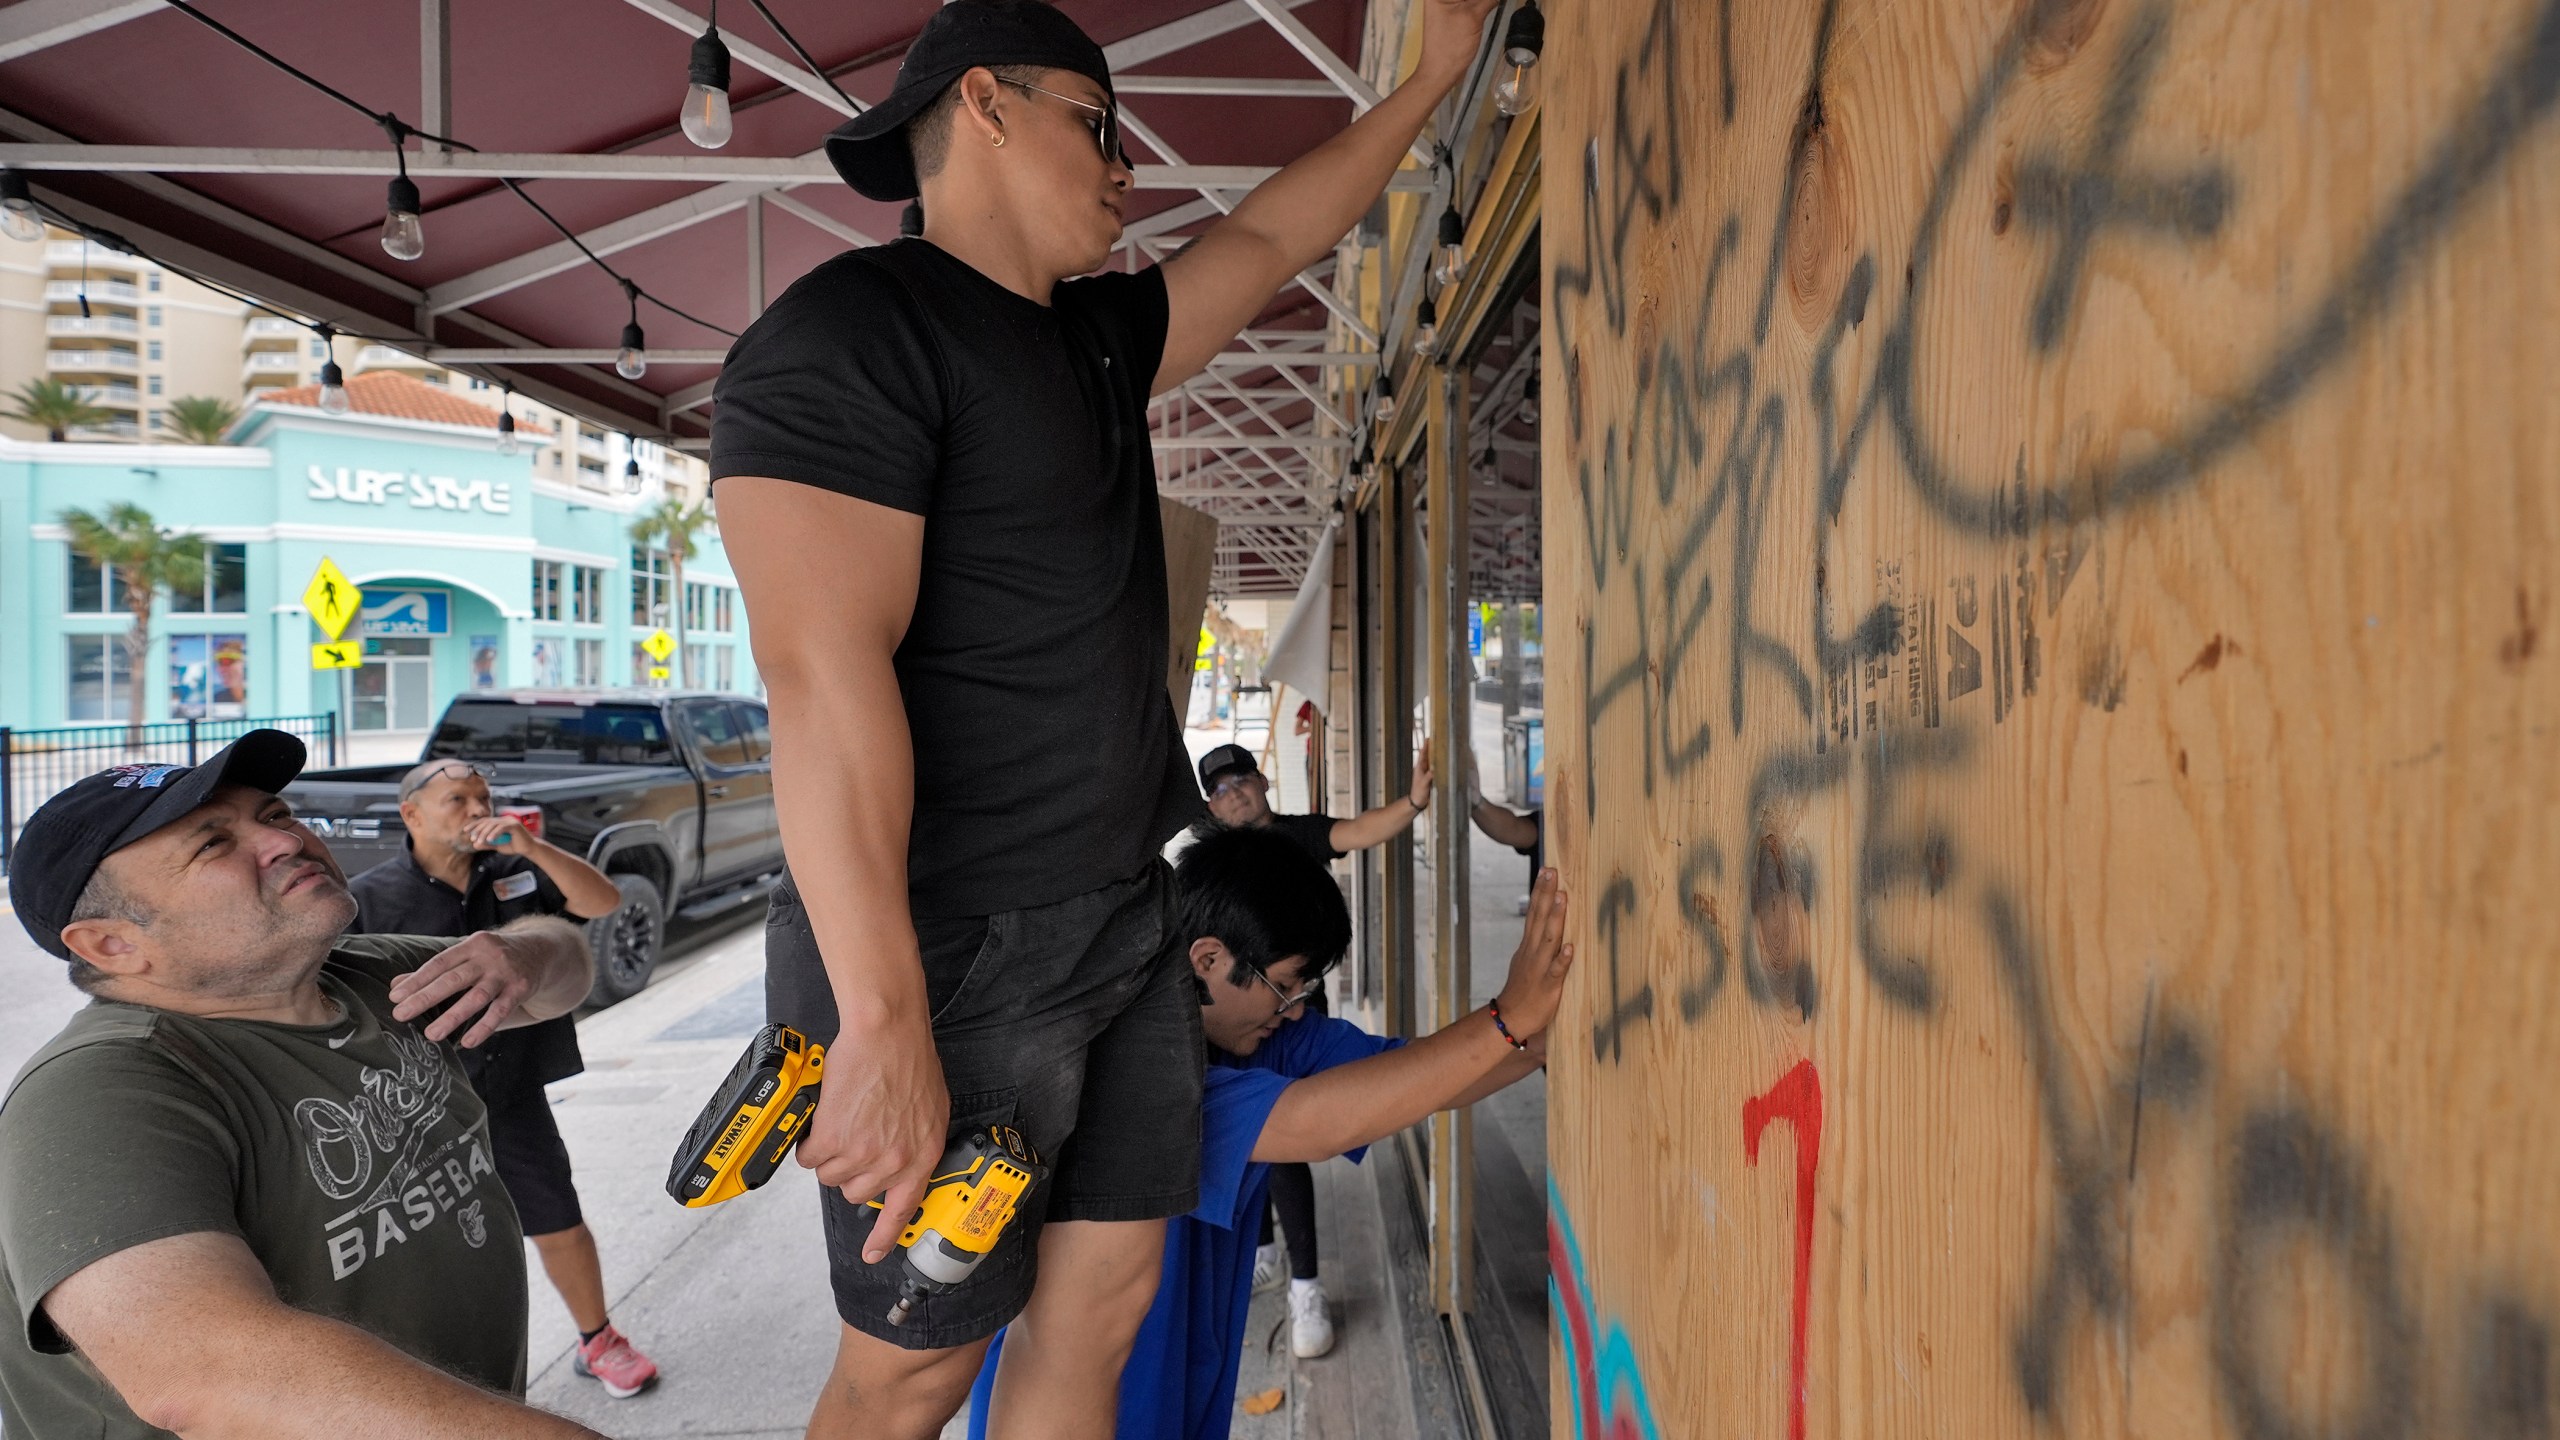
<point>997,140</point>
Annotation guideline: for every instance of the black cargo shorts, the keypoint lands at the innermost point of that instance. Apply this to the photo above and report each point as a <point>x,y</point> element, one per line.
<point>1078,1024</point>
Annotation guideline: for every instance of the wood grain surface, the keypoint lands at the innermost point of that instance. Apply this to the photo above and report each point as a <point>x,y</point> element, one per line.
<point>2054,720</point>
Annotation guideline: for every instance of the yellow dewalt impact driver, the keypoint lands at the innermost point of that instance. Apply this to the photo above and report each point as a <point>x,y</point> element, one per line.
<point>762,1109</point>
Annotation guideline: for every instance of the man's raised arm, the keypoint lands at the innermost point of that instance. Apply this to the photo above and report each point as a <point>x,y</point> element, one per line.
<point>831,581</point>
<point>1219,282</point>
<point>190,1333</point>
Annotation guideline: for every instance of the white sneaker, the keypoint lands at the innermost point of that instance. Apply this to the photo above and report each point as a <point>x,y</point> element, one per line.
<point>1310,1326</point>
<point>1270,1267</point>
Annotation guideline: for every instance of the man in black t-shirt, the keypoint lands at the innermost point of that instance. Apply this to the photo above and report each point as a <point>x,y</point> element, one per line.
<point>466,869</point>
<point>936,485</point>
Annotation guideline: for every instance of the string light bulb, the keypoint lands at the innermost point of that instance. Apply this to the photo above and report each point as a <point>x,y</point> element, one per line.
<point>506,420</point>
<point>632,361</point>
<point>1385,410</point>
<point>1528,411</point>
<point>1451,253</point>
<point>706,96</point>
<point>403,237</point>
<point>1426,329</point>
<point>19,219</point>
<point>1521,44</point>
<point>333,381</point>
<point>631,469</point>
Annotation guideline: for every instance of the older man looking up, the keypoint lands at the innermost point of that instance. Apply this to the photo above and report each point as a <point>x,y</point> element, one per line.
<point>247,1192</point>
<point>468,869</point>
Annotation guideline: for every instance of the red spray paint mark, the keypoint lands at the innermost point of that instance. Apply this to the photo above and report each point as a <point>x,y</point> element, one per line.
<point>1797,1099</point>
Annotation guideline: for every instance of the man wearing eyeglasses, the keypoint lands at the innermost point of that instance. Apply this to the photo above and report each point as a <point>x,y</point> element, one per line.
<point>936,485</point>
<point>467,869</point>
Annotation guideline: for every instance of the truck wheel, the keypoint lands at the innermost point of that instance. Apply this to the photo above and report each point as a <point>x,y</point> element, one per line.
<point>625,943</point>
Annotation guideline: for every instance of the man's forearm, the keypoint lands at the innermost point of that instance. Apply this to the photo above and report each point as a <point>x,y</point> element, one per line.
<point>554,956</point>
<point>1314,200</point>
<point>589,891</point>
<point>844,784</point>
<point>1375,827</point>
<point>1362,1102</point>
<point>292,1375</point>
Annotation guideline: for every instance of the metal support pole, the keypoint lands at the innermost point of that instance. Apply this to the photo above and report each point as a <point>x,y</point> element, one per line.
<point>755,256</point>
<point>1395,745</point>
<point>8,796</point>
<point>1445,601</point>
<point>435,71</point>
<point>191,740</point>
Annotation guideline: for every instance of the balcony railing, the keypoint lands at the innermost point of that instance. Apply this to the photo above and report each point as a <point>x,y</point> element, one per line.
<point>92,360</point>
<point>124,396</point>
<point>269,327</point>
<point>116,290</point>
<point>383,357</point>
<point>93,325</point>
<point>269,362</point>
<point>112,430</point>
<point>97,257</point>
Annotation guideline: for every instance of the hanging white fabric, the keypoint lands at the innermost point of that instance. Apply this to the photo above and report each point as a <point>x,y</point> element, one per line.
<point>1302,657</point>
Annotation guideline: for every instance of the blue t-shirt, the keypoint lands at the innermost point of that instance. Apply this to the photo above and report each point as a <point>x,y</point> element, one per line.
<point>1180,1383</point>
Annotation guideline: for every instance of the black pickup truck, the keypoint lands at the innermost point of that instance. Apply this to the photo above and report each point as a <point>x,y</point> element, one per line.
<point>670,792</point>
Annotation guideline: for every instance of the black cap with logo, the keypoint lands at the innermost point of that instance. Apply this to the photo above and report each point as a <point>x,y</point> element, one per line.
<point>69,835</point>
<point>1224,760</point>
<point>870,150</point>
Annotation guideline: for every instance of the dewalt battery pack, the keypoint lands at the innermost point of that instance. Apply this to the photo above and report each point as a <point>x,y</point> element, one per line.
<point>753,1120</point>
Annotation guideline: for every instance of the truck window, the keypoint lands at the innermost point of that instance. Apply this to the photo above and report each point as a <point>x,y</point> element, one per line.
<point>715,733</point>
<point>552,734</point>
<point>751,724</point>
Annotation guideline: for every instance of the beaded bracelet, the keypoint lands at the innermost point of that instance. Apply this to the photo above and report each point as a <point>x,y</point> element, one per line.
<point>1494,1009</point>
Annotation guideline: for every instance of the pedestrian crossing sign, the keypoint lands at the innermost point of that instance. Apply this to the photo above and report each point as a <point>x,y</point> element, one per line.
<point>660,645</point>
<point>332,599</point>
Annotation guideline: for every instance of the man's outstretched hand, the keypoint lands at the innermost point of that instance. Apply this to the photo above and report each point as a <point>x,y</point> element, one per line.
<point>881,1119</point>
<point>1535,988</point>
<point>1452,30</point>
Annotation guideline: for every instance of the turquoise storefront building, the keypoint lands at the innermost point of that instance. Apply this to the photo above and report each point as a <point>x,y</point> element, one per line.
<point>477,571</point>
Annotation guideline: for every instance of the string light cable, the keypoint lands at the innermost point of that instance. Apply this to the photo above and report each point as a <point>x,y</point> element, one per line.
<point>392,125</point>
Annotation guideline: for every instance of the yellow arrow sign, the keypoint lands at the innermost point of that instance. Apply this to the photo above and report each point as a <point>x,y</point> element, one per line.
<point>338,655</point>
<point>660,645</point>
<point>332,600</point>
<point>657,672</point>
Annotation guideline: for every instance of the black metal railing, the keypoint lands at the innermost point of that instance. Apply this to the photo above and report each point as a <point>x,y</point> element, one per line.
<point>35,764</point>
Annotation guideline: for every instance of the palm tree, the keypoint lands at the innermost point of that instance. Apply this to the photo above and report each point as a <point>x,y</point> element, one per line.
<point>672,526</point>
<point>201,419</point>
<point>126,543</point>
<point>57,406</point>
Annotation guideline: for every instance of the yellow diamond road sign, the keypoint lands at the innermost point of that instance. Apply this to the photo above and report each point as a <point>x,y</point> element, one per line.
<point>338,655</point>
<point>660,645</point>
<point>332,600</point>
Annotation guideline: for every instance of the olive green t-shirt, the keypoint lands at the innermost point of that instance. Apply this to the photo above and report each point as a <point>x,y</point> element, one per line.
<point>352,1158</point>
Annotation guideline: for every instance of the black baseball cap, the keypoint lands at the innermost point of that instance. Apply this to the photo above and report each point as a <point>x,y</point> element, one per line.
<point>870,150</point>
<point>1222,760</point>
<point>69,835</point>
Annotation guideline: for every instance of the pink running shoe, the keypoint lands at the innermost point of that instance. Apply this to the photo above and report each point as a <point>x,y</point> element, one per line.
<point>610,1358</point>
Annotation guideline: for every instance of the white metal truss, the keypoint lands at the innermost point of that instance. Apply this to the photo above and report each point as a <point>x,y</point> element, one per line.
<point>755,56</point>
<point>33,25</point>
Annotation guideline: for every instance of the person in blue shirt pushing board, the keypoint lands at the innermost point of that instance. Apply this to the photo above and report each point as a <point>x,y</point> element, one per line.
<point>1266,922</point>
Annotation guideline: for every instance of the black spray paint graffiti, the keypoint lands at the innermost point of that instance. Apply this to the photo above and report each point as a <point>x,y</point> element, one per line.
<point>1917,682</point>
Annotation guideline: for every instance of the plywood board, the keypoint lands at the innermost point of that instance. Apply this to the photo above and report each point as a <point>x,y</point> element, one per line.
<point>2053,714</point>
<point>1190,553</point>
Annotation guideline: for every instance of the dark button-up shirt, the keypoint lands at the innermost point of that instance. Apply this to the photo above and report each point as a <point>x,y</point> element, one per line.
<point>398,897</point>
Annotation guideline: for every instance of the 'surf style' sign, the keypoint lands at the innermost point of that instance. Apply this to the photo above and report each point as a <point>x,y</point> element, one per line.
<point>1847,468</point>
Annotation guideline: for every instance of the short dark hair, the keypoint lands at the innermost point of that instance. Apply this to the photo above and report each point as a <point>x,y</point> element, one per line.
<point>929,134</point>
<point>102,899</point>
<point>1253,890</point>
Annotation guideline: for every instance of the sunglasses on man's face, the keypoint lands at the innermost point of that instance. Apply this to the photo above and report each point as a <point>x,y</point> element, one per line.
<point>1104,122</point>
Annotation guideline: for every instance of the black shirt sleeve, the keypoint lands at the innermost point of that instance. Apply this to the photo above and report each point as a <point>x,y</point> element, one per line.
<point>838,386</point>
<point>1314,834</point>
